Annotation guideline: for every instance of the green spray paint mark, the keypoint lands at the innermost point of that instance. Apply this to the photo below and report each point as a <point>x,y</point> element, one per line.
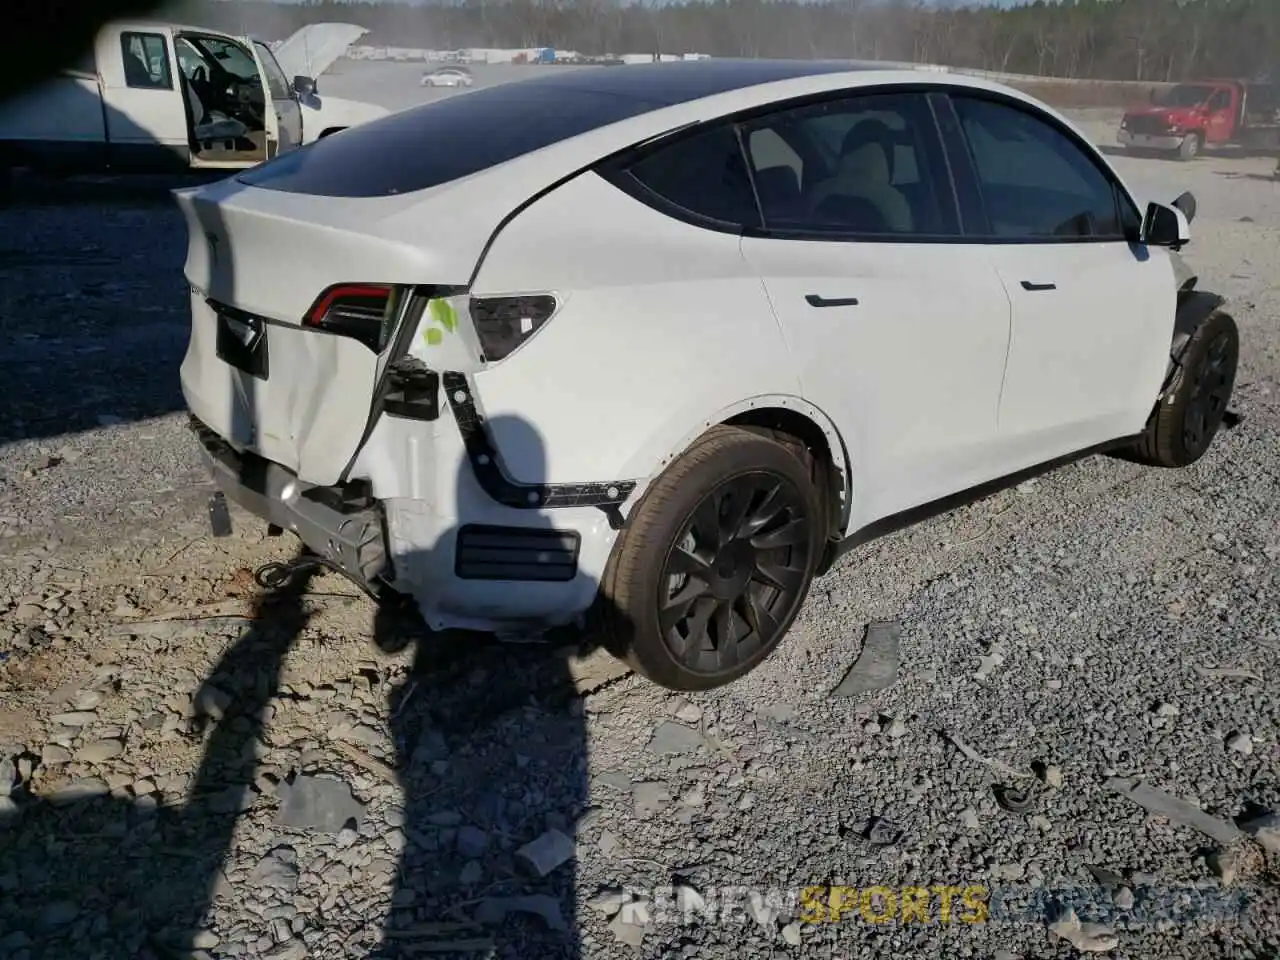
<point>445,320</point>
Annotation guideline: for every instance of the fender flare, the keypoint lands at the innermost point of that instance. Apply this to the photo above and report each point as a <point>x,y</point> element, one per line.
<point>683,438</point>
<point>1194,308</point>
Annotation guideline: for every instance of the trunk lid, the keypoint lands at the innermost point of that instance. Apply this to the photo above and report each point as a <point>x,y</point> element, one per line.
<point>257,262</point>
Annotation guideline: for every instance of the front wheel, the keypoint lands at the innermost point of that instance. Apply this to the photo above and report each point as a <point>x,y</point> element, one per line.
<point>1184,423</point>
<point>1189,149</point>
<point>711,569</point>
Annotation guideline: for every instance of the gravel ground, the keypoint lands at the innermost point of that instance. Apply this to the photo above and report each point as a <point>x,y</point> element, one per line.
<point>188,768</point>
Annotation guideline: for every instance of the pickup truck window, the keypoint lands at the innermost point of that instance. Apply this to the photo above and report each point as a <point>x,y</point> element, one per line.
<point>146,61</point>
<point>1220,100</point>
<point>1183,95</point>
<point>276,82</point>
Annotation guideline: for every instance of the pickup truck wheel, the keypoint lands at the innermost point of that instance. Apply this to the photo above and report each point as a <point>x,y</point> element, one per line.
<point>715,562</point>
<point>1188,416</point>
<point>1190,147</point>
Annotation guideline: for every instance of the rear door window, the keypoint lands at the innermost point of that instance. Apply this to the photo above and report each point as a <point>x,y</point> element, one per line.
<point>869,165</point>
<point>146,61</point>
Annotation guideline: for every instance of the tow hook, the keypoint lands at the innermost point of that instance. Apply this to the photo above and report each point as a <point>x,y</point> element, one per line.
<point>277,575</point>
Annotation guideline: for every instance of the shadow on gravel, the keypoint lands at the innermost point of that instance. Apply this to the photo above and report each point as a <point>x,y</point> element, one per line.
<point>1263,177</point>
<point>492,753</point>
<point>32,191</point>
<point>84,873</point>
<point>94,315</point>
<point>1230,153</point>
<point>481,802</point>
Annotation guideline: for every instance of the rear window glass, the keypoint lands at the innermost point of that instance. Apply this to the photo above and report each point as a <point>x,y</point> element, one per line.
<point>433,144</point>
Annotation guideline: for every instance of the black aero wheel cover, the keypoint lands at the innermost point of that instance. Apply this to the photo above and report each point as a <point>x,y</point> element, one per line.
<point>1208,392</point>
<point>735,573</point>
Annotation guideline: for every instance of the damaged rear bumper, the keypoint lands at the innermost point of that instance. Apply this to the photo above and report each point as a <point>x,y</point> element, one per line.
<point>343,525</point>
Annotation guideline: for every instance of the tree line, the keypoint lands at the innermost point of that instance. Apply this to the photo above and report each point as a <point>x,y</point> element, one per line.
<point>1146,40</point>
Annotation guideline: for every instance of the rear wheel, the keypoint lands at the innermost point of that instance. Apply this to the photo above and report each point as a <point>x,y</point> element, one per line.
<point>714,564</point>
<point>1186,420</point>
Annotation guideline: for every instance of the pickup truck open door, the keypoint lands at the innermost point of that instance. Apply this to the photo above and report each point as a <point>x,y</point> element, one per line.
<point>284,102</point>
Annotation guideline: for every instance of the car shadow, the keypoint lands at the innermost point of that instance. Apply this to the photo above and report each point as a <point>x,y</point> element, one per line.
<point>484,752</point>
<point>94,311</point>
<point>1261,177</point>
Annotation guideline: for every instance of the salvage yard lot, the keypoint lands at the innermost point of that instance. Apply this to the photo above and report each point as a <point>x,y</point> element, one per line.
<point>203,769</point>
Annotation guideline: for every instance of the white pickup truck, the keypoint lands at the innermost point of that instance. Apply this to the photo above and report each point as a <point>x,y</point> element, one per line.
<point>157,97</point>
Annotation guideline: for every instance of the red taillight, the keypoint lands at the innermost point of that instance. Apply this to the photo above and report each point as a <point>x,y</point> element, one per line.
<point>361,311</point>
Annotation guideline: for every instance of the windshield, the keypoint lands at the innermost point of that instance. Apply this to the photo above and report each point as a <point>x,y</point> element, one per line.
<point>231,57</point>
<point>1183,95</point>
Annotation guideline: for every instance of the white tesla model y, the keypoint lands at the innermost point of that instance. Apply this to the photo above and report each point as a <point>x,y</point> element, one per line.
<point>657,343</point>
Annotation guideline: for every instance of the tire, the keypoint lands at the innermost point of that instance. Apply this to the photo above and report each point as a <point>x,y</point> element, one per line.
<point>1190,147</point>
<point>1184,423</point>
<point>674,534</point>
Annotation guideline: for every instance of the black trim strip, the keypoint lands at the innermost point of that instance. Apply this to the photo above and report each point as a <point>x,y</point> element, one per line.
<point>816,300</point>
<point>909,518</point>
<point>486,463</point>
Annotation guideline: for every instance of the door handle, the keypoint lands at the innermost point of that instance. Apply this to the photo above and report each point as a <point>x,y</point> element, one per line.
<point>813,300</point>
<point>1036,287</point>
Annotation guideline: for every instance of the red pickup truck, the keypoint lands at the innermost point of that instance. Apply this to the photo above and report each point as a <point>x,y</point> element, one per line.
<point>1191,116</point>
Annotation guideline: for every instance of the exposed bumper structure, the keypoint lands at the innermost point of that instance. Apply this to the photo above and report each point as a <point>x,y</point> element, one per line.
<point>348,531</point>
<point>468,559</point>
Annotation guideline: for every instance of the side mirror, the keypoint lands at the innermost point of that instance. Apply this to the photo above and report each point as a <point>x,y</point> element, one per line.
<point>1187,204</point>
<point>1165,227</point>
<point>304,86</point>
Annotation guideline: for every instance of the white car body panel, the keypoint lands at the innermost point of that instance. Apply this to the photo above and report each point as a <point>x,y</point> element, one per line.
<point>302,417</point>
<point>912,431</point>
<point>1061,392</point>
<point>662,330</point>
<point>703,296</point>
<point>322,113</point>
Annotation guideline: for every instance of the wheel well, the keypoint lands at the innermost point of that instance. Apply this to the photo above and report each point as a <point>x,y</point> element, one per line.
<point>325,133</point>
<point>794,429</point>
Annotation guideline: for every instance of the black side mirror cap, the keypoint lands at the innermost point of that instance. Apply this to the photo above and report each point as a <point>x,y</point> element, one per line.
<point>1162,227</point>
<point>1186,202</point>
<point>304,86</point>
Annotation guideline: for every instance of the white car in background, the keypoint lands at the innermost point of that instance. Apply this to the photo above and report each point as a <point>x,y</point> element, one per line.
<point>678,337</point>
<point>448,77</point>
